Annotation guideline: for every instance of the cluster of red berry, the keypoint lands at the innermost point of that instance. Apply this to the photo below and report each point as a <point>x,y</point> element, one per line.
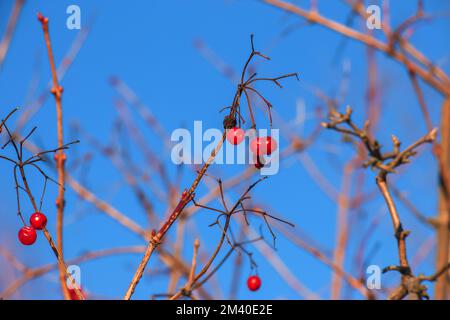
<point>260,146</point>
<point>27,234</point>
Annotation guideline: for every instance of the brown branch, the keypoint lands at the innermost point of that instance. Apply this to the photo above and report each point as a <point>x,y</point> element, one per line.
<point>60,156</point>
<point>400,234</point>
<point>441,154</point>
<point>439,273</point>
<point>29,274</point>
<point>229,121</point>
<point>442,288</point>
<point>228,215</point>
<point>115,214</point>
<point>342,231</point>
<point>2,123</point>
<point>426,73</point>
<point>20,164</point>
<point>10,27</point>
<point>387,163</point>
<point>191,279</point>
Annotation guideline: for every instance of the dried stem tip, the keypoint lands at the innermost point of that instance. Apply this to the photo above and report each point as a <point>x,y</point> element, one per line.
<point>42,19</point>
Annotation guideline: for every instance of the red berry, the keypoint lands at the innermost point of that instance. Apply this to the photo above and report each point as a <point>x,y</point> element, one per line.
<point>253,283</point>
<point>38,220</point>
<point>263,145</point>
<point>73,294</point>
<point>27,236</point>
<point>235,135</point>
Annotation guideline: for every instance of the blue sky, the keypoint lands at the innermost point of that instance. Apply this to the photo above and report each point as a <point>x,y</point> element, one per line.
<point>150,45</point>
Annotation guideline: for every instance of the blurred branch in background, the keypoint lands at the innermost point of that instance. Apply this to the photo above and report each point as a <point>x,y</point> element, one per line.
<point>10,28</point>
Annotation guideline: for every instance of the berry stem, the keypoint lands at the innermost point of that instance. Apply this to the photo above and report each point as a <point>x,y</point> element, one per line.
<point>27,187</point>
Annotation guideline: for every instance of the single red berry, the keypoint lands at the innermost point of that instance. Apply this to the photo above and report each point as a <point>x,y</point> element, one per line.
<point>27,236</point>
<point>73,294</point>
<point>253,283</point>
<point>38,220</point>
<point>263,145</point>
<point>235,135</point>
